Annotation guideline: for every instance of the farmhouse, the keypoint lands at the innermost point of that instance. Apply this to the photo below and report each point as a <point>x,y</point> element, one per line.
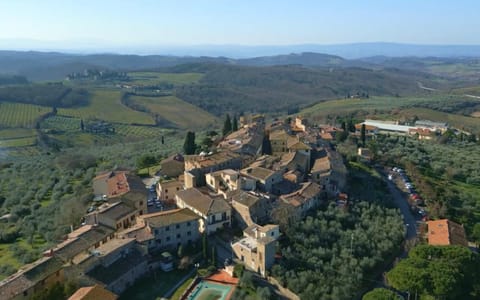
<point>445,232</point>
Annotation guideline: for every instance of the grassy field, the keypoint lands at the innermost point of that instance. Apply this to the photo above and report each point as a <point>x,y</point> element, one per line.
<point>176,111</point>
<point>106,105</point>
<point>15,115</point>
<point>152,78</point>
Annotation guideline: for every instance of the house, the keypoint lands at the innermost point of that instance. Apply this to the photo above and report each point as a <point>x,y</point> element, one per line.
<point>278,141</point>
<point>265,178</point>
<point>196,166</point>
<point>432,126</point>
<point>173,166</point>
<point>300,124</point>
<point>121,186</point>
<point>94,292</point>
<point>32,278</point>
<point>369,129</point>
<point>120,273</point>
<point>423,133</point>
<point>167,189</point>
<point>248,140</point>
<point>329,172</point>
<point>166,230</point>
<point>304,199</point>
<point>223,181</point>
<point>83,240</point>
<point>250,208</point>
<point>215,213</point>
<point>256,250</point>
<point>118,216</point>
<point>445,232</point>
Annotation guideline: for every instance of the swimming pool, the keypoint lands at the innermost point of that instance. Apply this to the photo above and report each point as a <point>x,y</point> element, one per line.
<point>206,290</point>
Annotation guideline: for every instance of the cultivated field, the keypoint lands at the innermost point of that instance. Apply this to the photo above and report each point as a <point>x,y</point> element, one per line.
<point>152,78</point>
<point>106,105</point>
<point>14,115</point>
<point>176,111</point>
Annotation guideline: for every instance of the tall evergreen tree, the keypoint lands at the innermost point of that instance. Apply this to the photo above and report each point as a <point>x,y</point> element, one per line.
<point>82,126</point>
<point>189,145</point>
<point>362,135</point>
<point>227,126</point>
<point>234,123</point>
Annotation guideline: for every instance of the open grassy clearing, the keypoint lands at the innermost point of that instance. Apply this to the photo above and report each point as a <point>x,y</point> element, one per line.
<point>106,105</point>
<point>176,111</point>
<point>15,115</point>
<point>152,78</point>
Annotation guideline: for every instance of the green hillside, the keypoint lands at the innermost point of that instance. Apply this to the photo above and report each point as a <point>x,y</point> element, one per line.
<point>106,105</point>
<point>176,111</point>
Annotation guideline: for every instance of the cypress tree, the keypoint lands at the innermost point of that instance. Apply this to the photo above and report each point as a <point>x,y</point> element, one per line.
<point>234,123</point>
<point>189,145</point>
<point>227,126</point>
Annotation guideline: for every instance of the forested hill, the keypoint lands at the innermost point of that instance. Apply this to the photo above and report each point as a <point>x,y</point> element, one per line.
<point>287,88</point>
<point>55,66</point>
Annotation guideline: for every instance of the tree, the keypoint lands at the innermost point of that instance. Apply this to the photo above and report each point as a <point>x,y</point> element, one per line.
<point>204,245</point>
<point>146,161</point>
<point>266,145</point>
<point>82,126</point>
<point>362,135</point>
<point>440,271</point>
<point>163,140</point>
<point>476,234</point>
<point>189,145</point>
<point>214,256</point>
<point>381,294</point>
<point>180,251</point>
<point>234,123</point>
<point>227,126</point>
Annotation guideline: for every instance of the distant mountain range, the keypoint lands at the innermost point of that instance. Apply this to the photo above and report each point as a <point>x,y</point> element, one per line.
<point>55,65</point>
<point>349,51</point>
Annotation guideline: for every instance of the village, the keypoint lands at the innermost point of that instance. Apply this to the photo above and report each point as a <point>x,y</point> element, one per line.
<point>235,198</point>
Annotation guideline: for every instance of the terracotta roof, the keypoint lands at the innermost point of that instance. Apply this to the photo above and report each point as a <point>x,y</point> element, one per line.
<point>116,211</point>
<point>308,191</point>
<point>258,173</point>
<point>367,127</point>
<point>321,165</point>
<point>112,184</point>
<point>279,135</point>
<point>326,136</point>
<point>205,161</point>
<point>298,145</point>
<point>169,217</point>
<point>201,202</point>
<point>445,232</point>
<point>245,198</point>
<point>95,292</point>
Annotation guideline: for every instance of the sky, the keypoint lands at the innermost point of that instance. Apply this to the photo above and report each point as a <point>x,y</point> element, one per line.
<point>241,22</point>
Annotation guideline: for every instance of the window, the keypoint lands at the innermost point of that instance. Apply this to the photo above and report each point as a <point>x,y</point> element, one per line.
<point>213,219</point>
<point>159,241</point>
<point>272,233</point>
<point>178,188</point>
<point>166,197</point>
<point>167,228</point>
<point>168,238</point>
<point>178,236</point>
<point>156,231</point>
<point>25,293</point>
<point>189,233</point>
<point>166,191</point>
<point>132,218</point>
<point>141,203</point>
<point>189,223</point>
<point>177,226</point>
<point>224,216</point>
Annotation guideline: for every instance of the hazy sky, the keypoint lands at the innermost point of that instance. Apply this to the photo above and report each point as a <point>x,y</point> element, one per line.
<point>256,22</point>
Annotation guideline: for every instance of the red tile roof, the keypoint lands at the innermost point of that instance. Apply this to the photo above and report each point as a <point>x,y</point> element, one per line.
<point>445,232</point>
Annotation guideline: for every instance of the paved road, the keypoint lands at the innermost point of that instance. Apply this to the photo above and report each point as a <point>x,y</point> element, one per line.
<point>408,219</point>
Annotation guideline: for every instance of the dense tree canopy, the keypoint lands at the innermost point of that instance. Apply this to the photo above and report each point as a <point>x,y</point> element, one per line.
<point>332,254</point>
<point>381,294</point>
<point>450,272</point>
